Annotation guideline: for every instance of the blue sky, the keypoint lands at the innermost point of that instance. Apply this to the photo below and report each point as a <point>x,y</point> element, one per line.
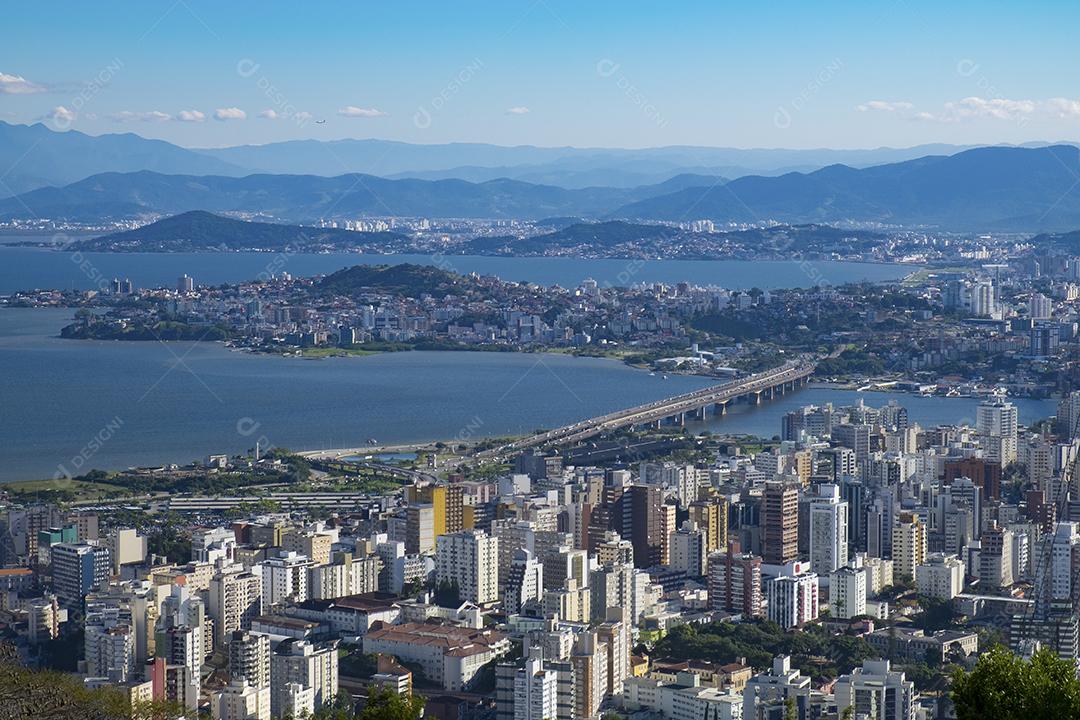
<point>770,74</point>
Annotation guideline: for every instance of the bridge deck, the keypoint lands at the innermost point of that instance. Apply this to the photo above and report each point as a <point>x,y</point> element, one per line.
<point>660,409</point>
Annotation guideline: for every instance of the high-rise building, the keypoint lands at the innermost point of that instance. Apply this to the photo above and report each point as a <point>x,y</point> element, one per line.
<point>524,581</point>
<point>875,690</point>
<point>77,568</point>
<point>181,639</point>
<point>847,593</point>
<point>249,658</point>
<point>666,527</point>
<point>420,528</point>
<point>589,662</point>
<point>995,558</point>
<point>780,518</point>
<point>995,425</point>
<point>535,691</point>
<point>513,535</point>
<point>828,531</point>
<point>644,524</point>
<point>283,578</point>
<point>470,560</point>
<point>1040,307</point>
<point>908,545</point>
<point>446,502</point>
<point>689,551</point>
<point>237,701</point>
<point>856,438</point>
<point>767,694</point>
<point>940,576</point>
<point>313,667</point>
<point>735,582</point>
<point>612,586</point>
<point>1068,415</point>
<point>711,516</point>
<point>110,645</point>
<point>315,546</point>
<point>234,599</point>
<point>792,599</point>
<point>185,284</point>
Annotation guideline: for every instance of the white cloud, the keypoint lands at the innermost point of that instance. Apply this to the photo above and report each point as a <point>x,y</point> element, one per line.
<point>18,85</point>
<point>999,108</point>
<point>191,116</point>
<point>301,117</point>
<point>976,108</point>
<point>352,111</point>
<point>883,106</point>
<point>59,115</point>
<point>151,116</point>
<point>517,110</point>
<point>230,113</point>
<point>1063,107</point>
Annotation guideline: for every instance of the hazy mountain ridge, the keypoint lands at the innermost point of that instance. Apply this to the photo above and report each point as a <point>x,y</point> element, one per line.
<point>305,198</point>
<point>1023,189</point>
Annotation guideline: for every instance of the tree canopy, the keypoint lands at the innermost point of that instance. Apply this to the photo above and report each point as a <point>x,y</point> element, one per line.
<point>1003,686</point>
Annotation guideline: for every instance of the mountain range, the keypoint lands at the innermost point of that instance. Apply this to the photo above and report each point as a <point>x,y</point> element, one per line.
<point>984,189</point>
<point>306,198</point>
<point>992,188</point>
<point>33,156</point>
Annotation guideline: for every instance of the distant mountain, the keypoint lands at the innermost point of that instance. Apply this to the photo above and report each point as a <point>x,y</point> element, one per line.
<point>1067,241</point>
<point>992,188</point>
<point>304,198</point>
<point>568,167</point>
<point>405,279</point>
<point>34,156</point>
<point>200,231</point>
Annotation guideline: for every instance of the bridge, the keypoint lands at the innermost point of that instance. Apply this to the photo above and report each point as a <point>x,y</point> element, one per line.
<point>693,405</point>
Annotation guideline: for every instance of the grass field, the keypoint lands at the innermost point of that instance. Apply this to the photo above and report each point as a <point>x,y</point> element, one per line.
<point>83,490</point>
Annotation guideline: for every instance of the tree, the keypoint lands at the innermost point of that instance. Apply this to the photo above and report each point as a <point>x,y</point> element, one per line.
<point>1005,687</point>
<point>385,704</point>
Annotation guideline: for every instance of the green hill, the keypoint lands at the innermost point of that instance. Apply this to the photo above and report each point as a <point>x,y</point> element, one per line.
<point>198,230</point>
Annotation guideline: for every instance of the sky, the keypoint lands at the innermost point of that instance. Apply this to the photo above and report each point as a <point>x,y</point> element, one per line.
<point>791,74</point>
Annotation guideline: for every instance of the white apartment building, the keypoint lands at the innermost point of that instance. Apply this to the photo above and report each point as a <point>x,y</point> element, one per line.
<point>941,576</point>
<point>469,559</point>
<point>535,691</point>
<point>283,578</point>
<point>828,531</point>
<point>312,666</point>
<point>995,425</point>
<point>235,598</point>
<point>793,599</point>
<point>875,690</point>
<point>237,701</point>
<point>847,593</point>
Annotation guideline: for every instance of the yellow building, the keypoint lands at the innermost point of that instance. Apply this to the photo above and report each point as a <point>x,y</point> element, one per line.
<point>712,516</point>
<point>446,500</point>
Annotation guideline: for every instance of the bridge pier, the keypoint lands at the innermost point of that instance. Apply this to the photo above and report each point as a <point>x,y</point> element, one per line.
<point>699,413</point>
<point>756,399</point>
<point>720,409</point>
